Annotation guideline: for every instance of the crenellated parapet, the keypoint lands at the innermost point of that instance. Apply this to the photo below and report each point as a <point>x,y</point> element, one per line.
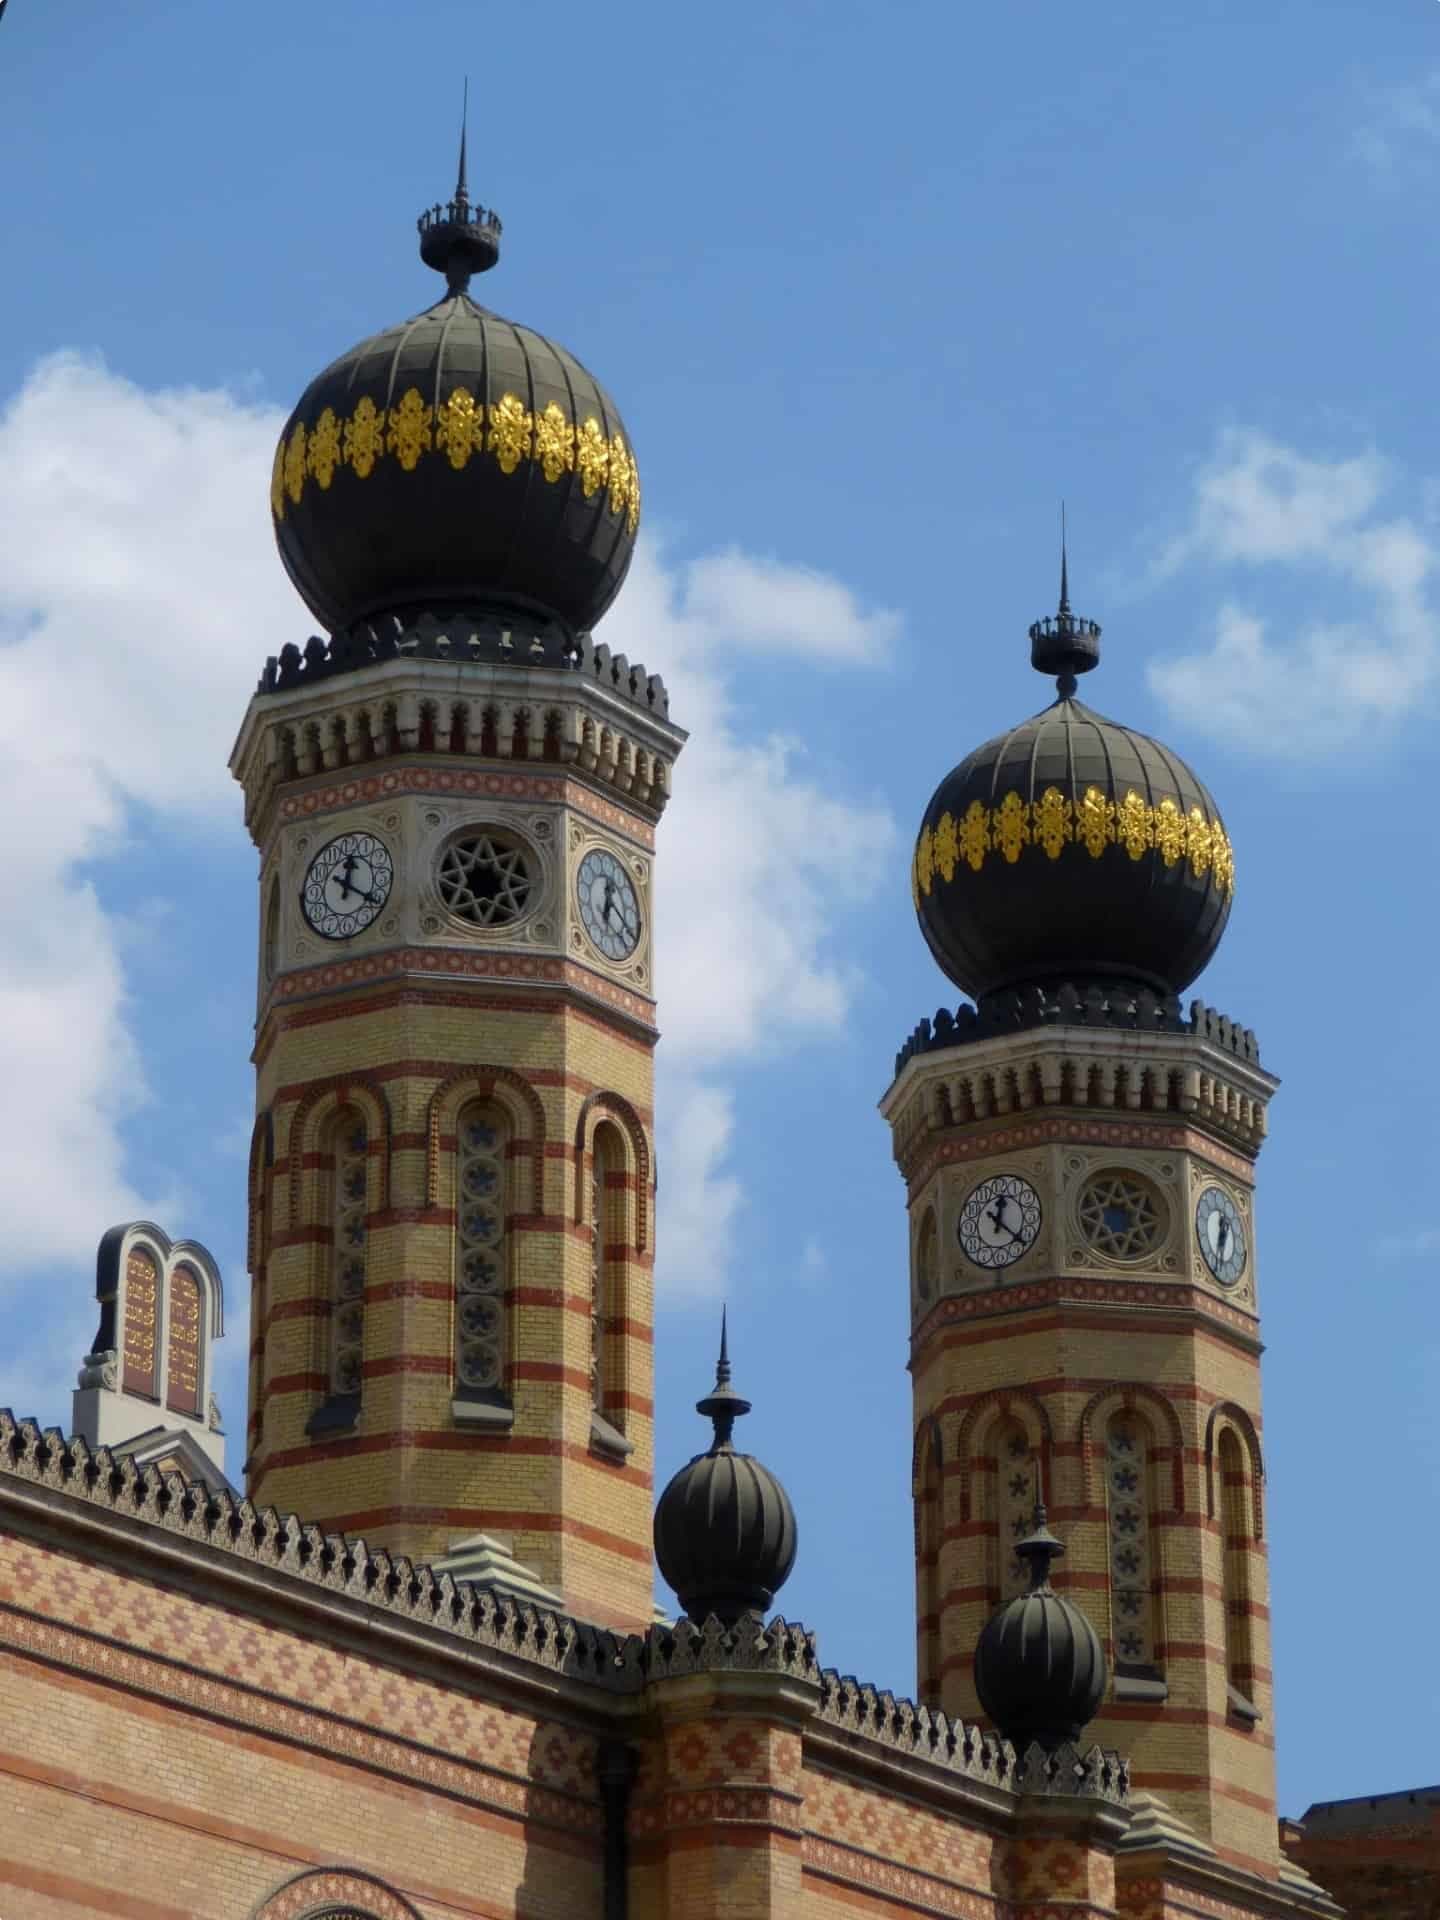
<point>456,691</point>
<point>1131,1054</point>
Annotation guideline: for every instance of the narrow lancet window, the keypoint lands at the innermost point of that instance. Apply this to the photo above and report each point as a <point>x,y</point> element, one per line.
<point>480,1356</point>
<point>350,1232</point>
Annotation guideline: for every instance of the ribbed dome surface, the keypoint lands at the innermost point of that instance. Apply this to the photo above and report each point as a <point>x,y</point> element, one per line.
<point>1072,848</point>
<point>1039,1666</point>
<point>725,1533</point>
<point>458,461</point>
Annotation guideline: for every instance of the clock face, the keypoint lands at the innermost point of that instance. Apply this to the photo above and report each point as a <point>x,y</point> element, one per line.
<point>346,885</point>
<point>608,907</point>
<point>999,1221</point>
<point>1221,1233</point>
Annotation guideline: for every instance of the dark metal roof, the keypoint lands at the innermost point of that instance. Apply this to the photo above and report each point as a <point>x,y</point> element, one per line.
<point>1072,848</point>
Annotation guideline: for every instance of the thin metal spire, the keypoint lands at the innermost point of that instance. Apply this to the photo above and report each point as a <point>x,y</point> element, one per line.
<point>722,1371</point>
<point>722,1404</point>
<point>1064,567</point>
<point>462,191</point>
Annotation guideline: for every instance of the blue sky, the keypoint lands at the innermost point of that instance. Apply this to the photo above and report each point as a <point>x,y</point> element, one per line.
<point>874,288</point>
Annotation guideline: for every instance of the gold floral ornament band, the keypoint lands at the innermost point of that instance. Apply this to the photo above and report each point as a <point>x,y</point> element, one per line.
<point>462,428</point>
<point>1054,821</point>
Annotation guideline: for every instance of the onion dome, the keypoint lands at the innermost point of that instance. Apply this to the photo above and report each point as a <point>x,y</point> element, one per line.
<point>1072,850</point>
<point>1039,1666</point>
<point>457,463</point>
<point>725,1533</point>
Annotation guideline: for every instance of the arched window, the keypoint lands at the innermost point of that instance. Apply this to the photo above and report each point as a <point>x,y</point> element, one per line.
<point>927,1262</point>
<point>142,1323</point>
<point>928,1522</point>
<point>1236,1521</point>
<point>481,1137</point>
<point>1012,1507</point>
<point>1133,1611</point>
<point>184,1342</point>
<point>608,1257</point>
<point>349,1233</point>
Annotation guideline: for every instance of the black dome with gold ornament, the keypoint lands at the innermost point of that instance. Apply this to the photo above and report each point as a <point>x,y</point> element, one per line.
<point>1072,851</point>
<point>458,463</point>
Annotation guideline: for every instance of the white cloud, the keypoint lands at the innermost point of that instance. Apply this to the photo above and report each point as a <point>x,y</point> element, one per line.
<point>1407,1246</point>
<point>1312,527</point>
<point>139,594</point>
<point>770,608</point>
<point>1400,124</point>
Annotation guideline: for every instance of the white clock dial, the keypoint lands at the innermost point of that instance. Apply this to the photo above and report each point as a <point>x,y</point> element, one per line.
<point>609,910</point>
<point>999,1221</point>
<point>347,885</point>
<point>1221,1233</point>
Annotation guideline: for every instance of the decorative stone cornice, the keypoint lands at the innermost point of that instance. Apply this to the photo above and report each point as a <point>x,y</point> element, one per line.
<point>253,1557</point>
<point>591,714</point>
<point>1204,1071</point>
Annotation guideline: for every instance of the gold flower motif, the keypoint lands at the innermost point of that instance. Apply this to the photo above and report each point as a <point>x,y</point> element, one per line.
<point>1169,831</point>
<point>277,481</point>
<point>592,460</point>
<point>554,442</point>
<point>511,431</point>
<point>975,836</point>
<point>620,471</point>
<point>460,427</point>
<point>1095,822</point>
<point>1222,859</point>
<point>1132,824</point>
<point>915,879</point>
<point>1053,823</point>
<point>1199,843</point>
<point>295,463</point>
<point>632,516</point>
<point>1011,829</point>
<point>924,861</point>
<point>324,454</point>
<point>365,436</point>
<point>408,433</point>
<point>946,847</point>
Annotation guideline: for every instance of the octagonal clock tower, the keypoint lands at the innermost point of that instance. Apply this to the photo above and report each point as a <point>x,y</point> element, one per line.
<point>1079,1161</point>
<point>454,798</point>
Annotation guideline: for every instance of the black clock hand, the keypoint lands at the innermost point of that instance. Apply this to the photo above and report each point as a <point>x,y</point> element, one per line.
<point>1222,1238</point>
<point>344,877</point>
<point>609,901</point>
<point>995,1214</point>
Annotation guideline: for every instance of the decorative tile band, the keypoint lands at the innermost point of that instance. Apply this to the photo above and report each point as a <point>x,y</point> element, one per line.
<point>1055,821</point>
<point>462,428</point>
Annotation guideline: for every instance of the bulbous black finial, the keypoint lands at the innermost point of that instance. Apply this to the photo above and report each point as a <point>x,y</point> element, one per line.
<point>725,1532</point>
<point>1067,645</point>
<point>460,240</point>
<point>1039,1666</point>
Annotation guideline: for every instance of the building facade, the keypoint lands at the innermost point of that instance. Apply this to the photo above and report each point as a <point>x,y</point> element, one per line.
<point>415,1668</point>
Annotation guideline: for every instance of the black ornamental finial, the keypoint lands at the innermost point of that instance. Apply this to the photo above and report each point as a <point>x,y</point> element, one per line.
<point>460,240</point>
<point>1066,645</point>
<point>1039,1547</point>
<point>722,1404</point>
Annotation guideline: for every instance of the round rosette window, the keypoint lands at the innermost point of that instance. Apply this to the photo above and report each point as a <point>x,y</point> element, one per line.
<point>488,879</point>
<point>1122,1217</point>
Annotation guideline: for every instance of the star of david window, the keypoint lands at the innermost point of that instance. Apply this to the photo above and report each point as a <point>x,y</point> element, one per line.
<point>1121,1215</point>
<point>486,880</point>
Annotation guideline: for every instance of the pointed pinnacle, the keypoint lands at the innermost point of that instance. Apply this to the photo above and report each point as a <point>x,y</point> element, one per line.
<point>1064,566</point>
<point>722,1370</point>
<point>462,191</point>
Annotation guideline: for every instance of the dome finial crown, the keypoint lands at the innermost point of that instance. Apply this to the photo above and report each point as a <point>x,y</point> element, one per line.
<point>460,240</point>
<point>722,1404</point>
<point>1039,1547</point>
<point>1065,645</point>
